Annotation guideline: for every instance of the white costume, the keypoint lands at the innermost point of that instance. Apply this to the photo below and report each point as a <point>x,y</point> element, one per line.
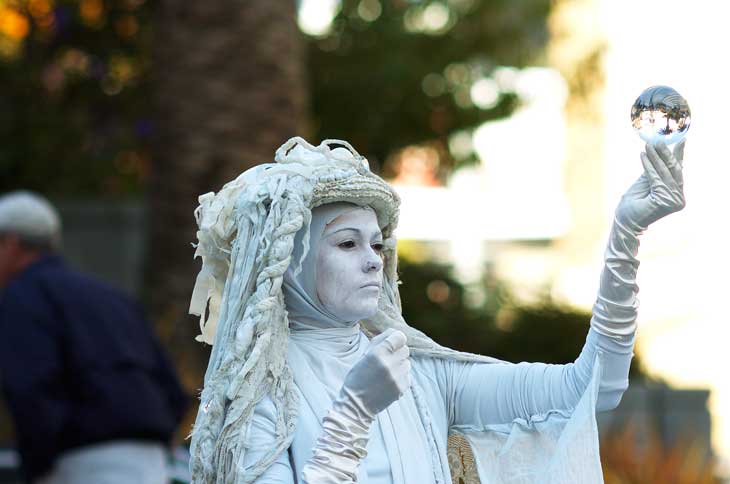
<point>288,395</point>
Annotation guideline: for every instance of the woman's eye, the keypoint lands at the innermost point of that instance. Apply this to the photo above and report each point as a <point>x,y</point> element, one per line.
<point>348,244</point>
<point>378,247</point>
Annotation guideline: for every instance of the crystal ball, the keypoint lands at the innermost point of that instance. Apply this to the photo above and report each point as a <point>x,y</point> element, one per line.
<point>660,114</point>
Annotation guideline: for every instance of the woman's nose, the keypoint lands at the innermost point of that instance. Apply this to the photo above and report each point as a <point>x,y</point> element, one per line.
<point>373,263</point>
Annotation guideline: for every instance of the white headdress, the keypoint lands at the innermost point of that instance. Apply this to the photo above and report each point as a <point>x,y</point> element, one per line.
<point>245,239</point>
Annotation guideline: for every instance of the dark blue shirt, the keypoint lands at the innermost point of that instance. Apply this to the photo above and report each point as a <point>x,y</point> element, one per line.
<point>79,365</point>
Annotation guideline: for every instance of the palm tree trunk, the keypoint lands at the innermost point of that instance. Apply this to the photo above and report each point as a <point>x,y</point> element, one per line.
<point>228,90</point>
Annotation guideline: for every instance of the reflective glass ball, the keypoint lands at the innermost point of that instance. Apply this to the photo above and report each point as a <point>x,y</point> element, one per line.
<point>660,114</point>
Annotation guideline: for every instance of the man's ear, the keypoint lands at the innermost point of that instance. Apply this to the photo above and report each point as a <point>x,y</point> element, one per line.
<point>12,242</point>
<point>13,247</point>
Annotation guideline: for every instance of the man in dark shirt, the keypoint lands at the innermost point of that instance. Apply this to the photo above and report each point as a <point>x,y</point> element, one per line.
<point>93,396</point>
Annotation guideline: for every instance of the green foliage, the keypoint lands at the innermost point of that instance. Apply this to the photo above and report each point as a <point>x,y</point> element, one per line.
<point>500,327</point>
<point>393,73</point>
<point>72,111</point>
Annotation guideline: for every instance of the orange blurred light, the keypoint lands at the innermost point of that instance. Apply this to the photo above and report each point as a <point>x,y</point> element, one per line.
<point>417,165</point>
<point>127,26</point>
<point>39,8</point>
<point>122,69</point>
<point>75,60</point>
<point>91,11</point>
<point>45,22</point>
<point>13,24</point>
<point>132,4</point>
<point>438,291</point>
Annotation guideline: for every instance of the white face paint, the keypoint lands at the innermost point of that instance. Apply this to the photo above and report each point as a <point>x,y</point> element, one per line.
<point>350,265</point>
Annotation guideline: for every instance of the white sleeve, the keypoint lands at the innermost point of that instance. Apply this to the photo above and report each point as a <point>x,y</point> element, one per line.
<point>260,438</point>
<point>484,394</point>
<point>342,444</point>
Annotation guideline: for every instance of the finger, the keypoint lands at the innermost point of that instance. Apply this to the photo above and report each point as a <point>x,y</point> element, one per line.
<point>679,152</point>
<point>402,353</point>
<point>403,375</point>
<point>667,194</point>
<point>678,175</point>
<point>675,169</point>
<point>662,150</point>
<point>396,340</point>
<point>379,338</point>
<point>659,157</point>
<point>403,383</point>
<point>650,172</point>
<point>405,367</point>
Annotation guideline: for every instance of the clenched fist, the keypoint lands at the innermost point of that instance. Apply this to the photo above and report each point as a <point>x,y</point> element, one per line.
<point>382,375</point>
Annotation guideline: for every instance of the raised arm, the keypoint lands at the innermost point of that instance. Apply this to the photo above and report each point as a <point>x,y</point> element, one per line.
<point>486,394</point>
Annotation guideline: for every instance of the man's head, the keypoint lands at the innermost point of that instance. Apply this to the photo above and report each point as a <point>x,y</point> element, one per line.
<point>29,227</point>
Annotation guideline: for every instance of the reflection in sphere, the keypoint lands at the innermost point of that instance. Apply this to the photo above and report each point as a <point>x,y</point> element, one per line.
<point>660,114</point>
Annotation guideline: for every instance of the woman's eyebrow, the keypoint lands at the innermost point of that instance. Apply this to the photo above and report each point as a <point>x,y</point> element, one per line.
<point>376,234</point>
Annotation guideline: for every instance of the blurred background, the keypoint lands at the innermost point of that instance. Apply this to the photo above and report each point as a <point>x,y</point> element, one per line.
<point>503,125</point>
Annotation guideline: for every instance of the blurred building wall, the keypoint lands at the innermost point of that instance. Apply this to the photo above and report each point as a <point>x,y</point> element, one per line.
<point>106,239</point>
<point>675,417</point>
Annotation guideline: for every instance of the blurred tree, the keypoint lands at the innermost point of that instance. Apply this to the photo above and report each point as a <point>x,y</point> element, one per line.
<point>75,111</point>
<point>92,89</point>
<point>391,73</point>
<point>72,103</point>
<point>228,89</point>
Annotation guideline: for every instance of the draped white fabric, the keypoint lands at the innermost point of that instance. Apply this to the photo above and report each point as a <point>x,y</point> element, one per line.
<point>559,447</point>
<point>557,444</point>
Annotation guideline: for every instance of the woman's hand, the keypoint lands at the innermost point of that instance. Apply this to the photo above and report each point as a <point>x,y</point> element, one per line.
<point>378,379</point>
<point>382,375</point>
<point>658,191</point>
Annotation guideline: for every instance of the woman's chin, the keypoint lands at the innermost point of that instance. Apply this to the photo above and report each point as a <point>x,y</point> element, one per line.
<point>364,311</point>
<point>371,312</point>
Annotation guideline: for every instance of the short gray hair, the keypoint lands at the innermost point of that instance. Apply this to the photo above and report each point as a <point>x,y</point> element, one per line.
<point>32,218</point>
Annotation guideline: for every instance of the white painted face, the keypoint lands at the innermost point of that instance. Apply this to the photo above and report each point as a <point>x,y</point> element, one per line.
<point>350,265</point>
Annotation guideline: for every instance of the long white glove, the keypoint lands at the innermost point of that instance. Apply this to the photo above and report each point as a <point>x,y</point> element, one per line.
<point>378,379</point>
<point>657,193</point>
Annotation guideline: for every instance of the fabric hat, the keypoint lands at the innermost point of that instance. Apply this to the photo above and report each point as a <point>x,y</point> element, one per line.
<point>331,172</point>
